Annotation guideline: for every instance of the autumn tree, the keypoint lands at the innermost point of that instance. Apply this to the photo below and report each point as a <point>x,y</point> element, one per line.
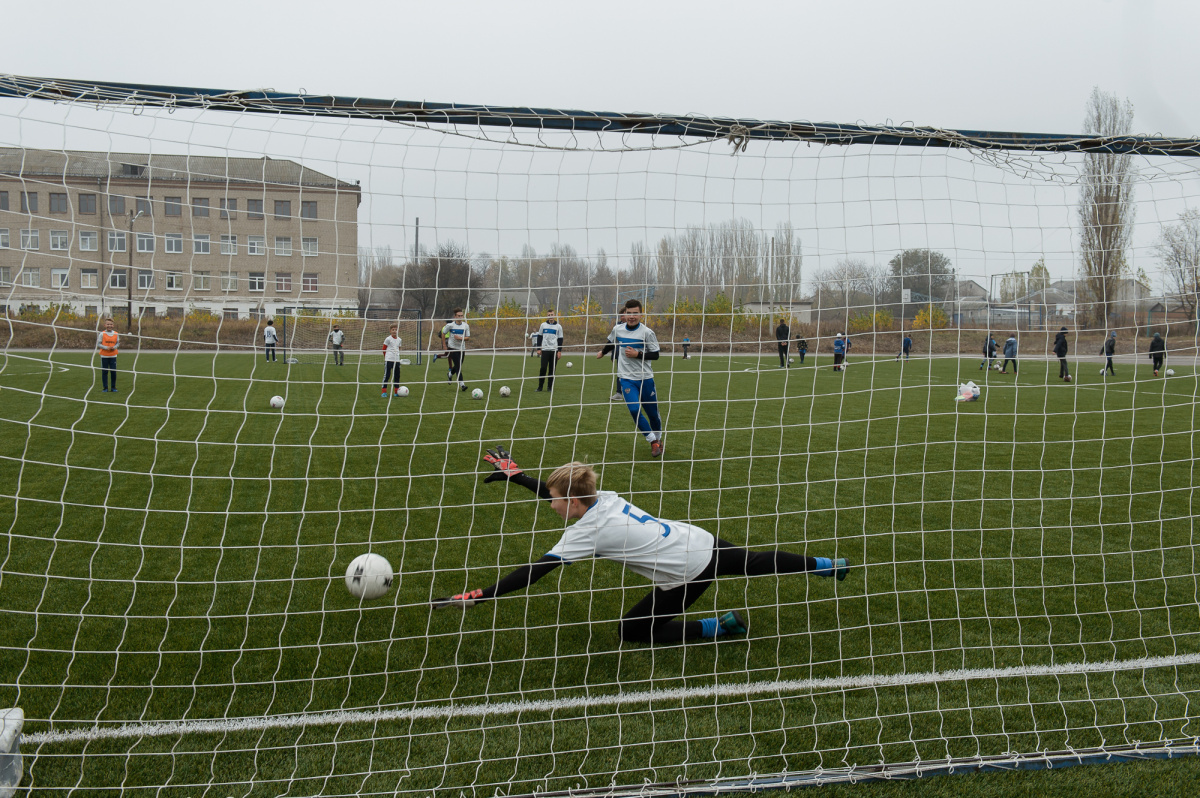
<point>1178,249</point>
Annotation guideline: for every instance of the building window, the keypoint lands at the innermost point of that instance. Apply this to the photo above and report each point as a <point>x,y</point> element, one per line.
<point>308,247</point>
<point>116,241</point>
<point>3,200</point>
<point>89,241</point>
<point>116,278</point>
<point>174,281</point>
<point>257,281</point>
<point>201,243</point>
<point>173,243</point>
<point>228,281</point>
<point>60,278</point>
<point>5,275</point>
<point>29,239</point>
<point>283,209</point>
<point>200,281</point>
<point>145,279</point>
<point>143,206</point>
<point>89,278</point>
<point>230,313</point>
<point>173,206</point>
<point>256,245</point>
<point>308,282</point>
<point>116,205</point>
<point>200,206</point>
<point>87,204</point>
<point>308,209</point>
<point>30,277</point>
<point>228,245</point>
<point>4,241</point>
<point>58,203</point>
<point>29,202</point>
<point>228,208</point>
<point>145,242</point>
<point>145,310</point>
<point>283,283</point>
<point>89,310</point>
<point>60,240</point>
<point>254,209</point>
<point>175,312</point>
<point>283,246</point>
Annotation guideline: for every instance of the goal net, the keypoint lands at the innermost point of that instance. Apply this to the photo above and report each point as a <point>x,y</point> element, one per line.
<point>1020,582</point>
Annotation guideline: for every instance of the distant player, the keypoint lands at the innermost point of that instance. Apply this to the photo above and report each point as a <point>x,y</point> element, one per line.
<point>1060,351</point>
<point>801,347</point>
<point>783,336</point>
<point>456,334</point>
<point>270,336</point>
<point>686,343</point>
<point>549,347</point>
<point>989,353</point>
<point>839,351</point>
<point>1110,349</point>
<point>681,559</point>
<point>1158,352</point>
<point>1010,353</point>
<point>905,347</point>
<point>106,343</point>
<point>636,347</point>
<point>391,362</point>
<point>336,338</point>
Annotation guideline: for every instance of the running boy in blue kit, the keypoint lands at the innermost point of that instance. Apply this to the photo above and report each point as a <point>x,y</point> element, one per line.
<point>681,559</point>
<point>636,347</point>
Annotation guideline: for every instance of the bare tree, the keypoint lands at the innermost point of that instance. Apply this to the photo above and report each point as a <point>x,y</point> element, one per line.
<point>1106,208</point>
<point>849,286</point>
<point>1178,248</point>
<point>377,277</point>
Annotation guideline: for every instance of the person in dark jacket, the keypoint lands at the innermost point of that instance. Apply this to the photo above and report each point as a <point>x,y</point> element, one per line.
<point>1158,352</point>
<point>905,347</point>
<point>1010,353</point>
<point>1060,351</point>
<point>989,353</point>
<point>782,336</point>
<point>1110,349</point>
<point>801,347</point>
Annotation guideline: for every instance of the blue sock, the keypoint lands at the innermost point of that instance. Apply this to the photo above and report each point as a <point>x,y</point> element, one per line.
<point>711,627</point>
<point>824,566</point>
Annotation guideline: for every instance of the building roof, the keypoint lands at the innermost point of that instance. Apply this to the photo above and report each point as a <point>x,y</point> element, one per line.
<point>60,164</point>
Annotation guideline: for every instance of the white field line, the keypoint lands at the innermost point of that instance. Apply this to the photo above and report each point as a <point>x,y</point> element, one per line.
<point>732,690</point>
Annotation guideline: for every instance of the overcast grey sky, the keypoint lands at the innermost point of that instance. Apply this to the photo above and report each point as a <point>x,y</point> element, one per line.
<point>1017,66</point>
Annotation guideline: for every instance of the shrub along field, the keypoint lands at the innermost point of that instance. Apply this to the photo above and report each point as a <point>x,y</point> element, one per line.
<point>176,551</point>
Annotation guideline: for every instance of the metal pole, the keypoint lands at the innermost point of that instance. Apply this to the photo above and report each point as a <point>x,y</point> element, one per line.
<point>129,274</point>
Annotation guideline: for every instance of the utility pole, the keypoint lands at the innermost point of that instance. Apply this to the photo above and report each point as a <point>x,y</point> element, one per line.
<point>129,275</point>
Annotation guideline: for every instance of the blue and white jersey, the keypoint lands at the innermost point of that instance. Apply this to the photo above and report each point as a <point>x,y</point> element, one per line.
<point>550,336</point>
<point>456,334</point>
<point>839,346</point>
<point>668,553</point>
<point>270,335</point>
<point>641,338</point>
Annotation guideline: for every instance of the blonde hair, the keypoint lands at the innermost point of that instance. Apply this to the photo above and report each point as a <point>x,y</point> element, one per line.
<point>574,481</point>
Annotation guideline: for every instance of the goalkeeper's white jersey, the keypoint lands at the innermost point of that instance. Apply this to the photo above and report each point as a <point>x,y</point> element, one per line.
<point>550,334</point>
<point>456,334</point>
<point>641,338</point>
<point>391,345</point>
<point>270,335</point>
<point>668,553</point>
<point>336,337</point>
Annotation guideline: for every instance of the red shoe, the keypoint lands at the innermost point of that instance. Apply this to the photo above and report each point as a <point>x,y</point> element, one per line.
<point>656,448</point>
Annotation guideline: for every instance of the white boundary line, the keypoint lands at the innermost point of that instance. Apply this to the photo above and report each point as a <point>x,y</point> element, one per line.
<point>832,684</point>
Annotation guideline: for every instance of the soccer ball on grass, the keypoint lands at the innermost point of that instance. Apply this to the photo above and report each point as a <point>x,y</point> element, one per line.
<point>402,390</point>
<point>277,402</point>
<point>369,576</point>
<point>505,390</point>
<point>1170,372</point>
<point>570,365</point>
<point>477,394</point>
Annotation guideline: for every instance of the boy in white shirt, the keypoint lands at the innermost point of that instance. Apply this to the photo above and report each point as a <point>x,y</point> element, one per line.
<point>637,346</point>
<point>336,338</point>
<point>455,335</point>
<point>391,362</point>
<point>549,346</point>
<point>681,559</point>
<point>270,336</point>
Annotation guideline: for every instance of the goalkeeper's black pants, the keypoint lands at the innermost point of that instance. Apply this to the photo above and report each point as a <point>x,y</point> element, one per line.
<point>546,371</point>
<point>455,356</point>
<point>1063,371</point>
<point>391,371</point>
<point>652,620</point>
<point>783,353</point>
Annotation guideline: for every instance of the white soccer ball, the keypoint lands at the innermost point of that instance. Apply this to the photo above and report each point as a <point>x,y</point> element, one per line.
<point>995,367</point>
<point>402,390</point>
<point>791,360</point>
<point>505,390</point>
<point>277,402</point>
<point>570,365</point>
<point>477,394</point>
<point>1103,370</point>
<point>369,576</point>
<point>1170,372</point>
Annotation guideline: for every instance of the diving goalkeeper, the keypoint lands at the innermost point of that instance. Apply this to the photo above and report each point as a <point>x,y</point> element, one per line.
<point>681,560</point>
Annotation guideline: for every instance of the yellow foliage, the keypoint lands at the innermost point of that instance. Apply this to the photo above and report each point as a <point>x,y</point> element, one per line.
<point>930,317</point>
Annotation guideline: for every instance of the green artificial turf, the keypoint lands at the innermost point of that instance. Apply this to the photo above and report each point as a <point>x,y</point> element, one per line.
<point>176,551</point>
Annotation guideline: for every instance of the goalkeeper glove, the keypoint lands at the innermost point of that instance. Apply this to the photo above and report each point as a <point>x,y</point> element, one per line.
<point>462,600</point>
<point>503,463</point>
